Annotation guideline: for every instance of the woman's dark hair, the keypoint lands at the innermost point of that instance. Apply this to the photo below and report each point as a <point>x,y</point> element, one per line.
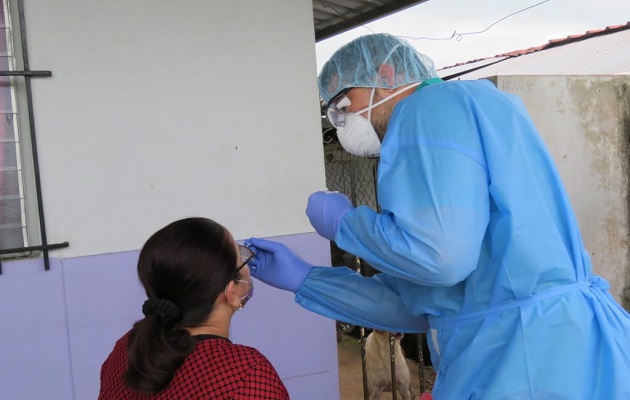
<point>183,268</point>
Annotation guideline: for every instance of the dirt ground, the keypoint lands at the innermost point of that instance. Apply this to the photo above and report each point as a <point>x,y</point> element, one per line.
<point>351,375</point>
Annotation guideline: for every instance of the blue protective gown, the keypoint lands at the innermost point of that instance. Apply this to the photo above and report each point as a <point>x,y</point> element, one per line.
<point>478,244</point>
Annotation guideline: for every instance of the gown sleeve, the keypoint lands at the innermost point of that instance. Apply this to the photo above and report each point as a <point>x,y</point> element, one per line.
<point>344,295</point>
<point>433,190</point>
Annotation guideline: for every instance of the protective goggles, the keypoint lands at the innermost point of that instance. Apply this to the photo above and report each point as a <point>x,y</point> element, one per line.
<point>337,109</point>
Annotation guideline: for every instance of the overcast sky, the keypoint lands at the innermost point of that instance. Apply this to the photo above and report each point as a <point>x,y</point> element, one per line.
<point>439,19</point>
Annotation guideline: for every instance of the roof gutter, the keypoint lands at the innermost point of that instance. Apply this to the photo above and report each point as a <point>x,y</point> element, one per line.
<point>458,74</point>
<point>364,18</point>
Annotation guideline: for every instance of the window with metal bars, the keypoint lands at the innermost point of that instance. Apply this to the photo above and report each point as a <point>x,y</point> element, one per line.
<point>13,231</point>
<point>22,224</point>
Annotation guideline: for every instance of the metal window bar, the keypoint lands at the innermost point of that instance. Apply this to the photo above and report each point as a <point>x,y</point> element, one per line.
<point>421,339</point>
<point>392,361</point>
<point>356,177</point>
<point>366,394</point>
<point>27,74</point>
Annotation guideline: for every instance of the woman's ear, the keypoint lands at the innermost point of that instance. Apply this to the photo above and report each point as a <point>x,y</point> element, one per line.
<point>387,75</point>
<point>231,295</point>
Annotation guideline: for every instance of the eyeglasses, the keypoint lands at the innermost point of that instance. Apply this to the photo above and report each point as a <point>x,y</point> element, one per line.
<point>246,255</point>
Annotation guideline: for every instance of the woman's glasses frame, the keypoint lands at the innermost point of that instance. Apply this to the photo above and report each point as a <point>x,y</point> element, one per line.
<point>246,256</point>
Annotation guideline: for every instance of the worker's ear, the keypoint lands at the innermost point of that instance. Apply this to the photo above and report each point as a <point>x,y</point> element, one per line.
<point>387,74</point>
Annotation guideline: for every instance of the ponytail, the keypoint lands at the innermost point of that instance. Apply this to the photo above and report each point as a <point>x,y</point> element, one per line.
<point>156,347</point>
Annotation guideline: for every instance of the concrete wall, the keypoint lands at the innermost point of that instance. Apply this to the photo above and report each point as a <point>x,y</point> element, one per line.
<point>159,110</point>
<point>585,122</point>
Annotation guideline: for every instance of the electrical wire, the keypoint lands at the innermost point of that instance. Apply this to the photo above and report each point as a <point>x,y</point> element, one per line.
<point>459,36</point>
<point>455,35</point>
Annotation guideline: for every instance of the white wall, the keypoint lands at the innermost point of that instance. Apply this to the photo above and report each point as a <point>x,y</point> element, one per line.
<point>157,110</point>
<point>584,121</point>
<point>160,109</point>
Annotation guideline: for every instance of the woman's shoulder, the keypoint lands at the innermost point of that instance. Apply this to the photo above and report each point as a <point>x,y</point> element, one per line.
<point>219,357</point>
<point>226,347</point>
<point>225,353</point>
<point>124,339</point>
<point>120,346</point>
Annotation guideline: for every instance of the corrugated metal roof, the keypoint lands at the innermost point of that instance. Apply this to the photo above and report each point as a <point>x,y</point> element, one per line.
<point>596,52</point>
<point>332,17</point>
<point>464,68</point>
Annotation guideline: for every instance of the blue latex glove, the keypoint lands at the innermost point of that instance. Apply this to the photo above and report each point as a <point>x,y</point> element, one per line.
<point>276,265</point>
<point>325,211</point>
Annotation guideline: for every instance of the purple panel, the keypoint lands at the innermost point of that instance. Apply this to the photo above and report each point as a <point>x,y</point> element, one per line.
<point>300,344</point>
<point>104,298</point>
<point>66,321</point>
<point>34,353</point>
<point>315,387</point>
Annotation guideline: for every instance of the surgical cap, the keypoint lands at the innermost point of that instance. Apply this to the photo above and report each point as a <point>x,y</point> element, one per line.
<point>356,64</point>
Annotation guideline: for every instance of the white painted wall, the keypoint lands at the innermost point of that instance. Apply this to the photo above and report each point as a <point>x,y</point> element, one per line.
<point>161,109</point>
<point>584,122</point>
<point>157,110</point>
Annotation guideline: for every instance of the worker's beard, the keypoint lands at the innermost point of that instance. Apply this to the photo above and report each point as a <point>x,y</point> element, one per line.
<point>380,118</point>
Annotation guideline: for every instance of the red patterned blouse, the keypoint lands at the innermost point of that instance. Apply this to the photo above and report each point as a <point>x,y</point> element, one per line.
<point>217,369</point>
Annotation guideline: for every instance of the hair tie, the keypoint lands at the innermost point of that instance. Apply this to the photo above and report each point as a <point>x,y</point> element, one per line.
<point>163,308</point>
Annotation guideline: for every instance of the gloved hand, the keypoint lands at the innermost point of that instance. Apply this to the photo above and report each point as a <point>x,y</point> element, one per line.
<point>325,211</point>
<point>276,265</point>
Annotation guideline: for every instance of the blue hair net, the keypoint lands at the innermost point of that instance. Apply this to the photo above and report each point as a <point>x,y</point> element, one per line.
<point>356,64</point>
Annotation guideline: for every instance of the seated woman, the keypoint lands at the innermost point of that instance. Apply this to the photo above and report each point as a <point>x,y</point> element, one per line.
<point>196,277</point>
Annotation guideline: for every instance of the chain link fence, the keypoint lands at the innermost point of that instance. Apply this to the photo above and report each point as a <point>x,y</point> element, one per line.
<point>356,178</point>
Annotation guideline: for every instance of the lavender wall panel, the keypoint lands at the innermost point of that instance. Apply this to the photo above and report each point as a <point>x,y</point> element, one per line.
<point>34,351</point>
<point>104,298</point>
<point>61,324</point>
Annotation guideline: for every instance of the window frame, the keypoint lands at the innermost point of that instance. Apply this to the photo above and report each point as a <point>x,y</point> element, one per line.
<point>35,237</point>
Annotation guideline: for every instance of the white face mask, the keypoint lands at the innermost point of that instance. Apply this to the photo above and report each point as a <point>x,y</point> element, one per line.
<point>358,137</point>
<point>357,134</point>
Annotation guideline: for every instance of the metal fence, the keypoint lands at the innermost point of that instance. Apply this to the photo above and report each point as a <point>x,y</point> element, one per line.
<point>356,177</point>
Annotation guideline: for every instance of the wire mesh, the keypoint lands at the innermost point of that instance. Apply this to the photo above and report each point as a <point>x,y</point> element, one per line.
<point>353,176</point>
<point>356,177</point>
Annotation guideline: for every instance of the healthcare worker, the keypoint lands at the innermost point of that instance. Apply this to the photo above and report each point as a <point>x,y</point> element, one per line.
<point>476,240</point>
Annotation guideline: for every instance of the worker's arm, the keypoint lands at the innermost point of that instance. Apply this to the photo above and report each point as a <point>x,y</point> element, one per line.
<point>433,189</point>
